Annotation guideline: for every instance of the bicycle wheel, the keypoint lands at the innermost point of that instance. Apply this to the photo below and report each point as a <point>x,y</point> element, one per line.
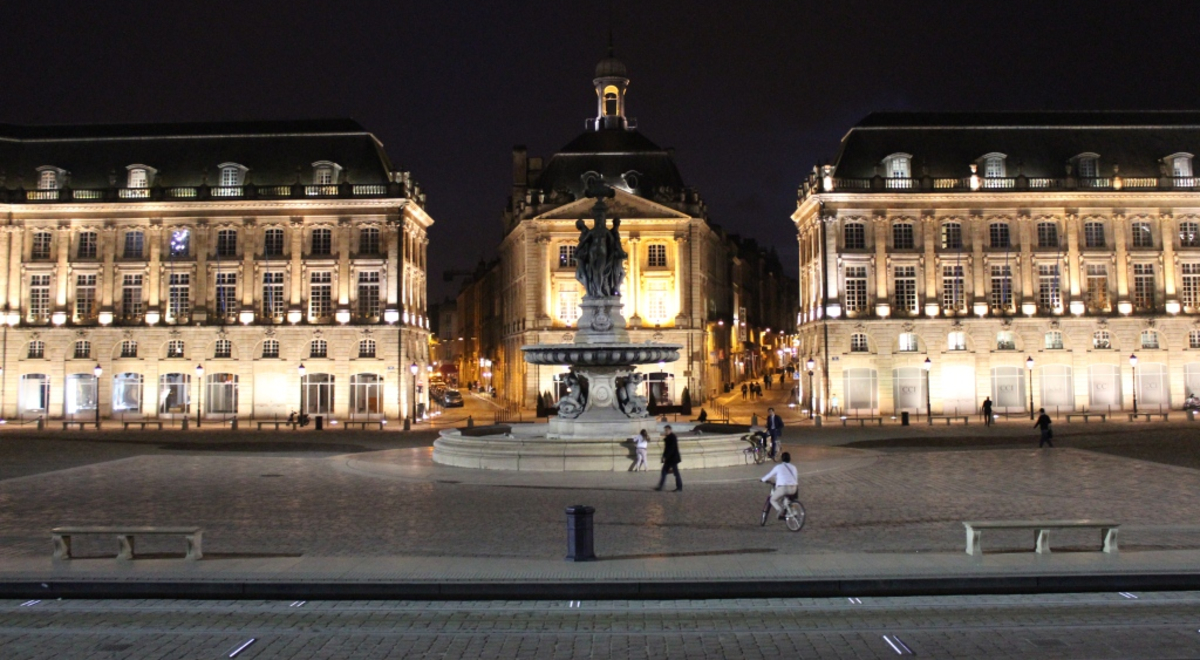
<point>766,512</point>
<point>796,516</point>
<point>758,456</point>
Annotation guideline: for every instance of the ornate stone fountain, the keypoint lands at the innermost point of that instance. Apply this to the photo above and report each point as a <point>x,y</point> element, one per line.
<point>602,407</point>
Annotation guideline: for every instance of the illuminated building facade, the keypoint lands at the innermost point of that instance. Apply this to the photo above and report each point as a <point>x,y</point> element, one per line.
<point>215,270</point>
<point>1040,259</point>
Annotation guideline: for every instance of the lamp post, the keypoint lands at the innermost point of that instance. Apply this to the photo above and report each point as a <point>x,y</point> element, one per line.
<point>428,390</point>
<point>300,370</point>
<point>200,391</point>
<point>928,366</point>
<point>97,371</point>
<point>1029,367</point>
<point>1133,363</point>
<point>413,368</point>
<point>812,396</point>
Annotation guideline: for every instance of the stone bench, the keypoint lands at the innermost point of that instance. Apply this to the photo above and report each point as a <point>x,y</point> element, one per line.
<point>1148,416</point>
<point>143,423</point>
<point>69,423</point>
<point>862,421</point>
<point>363,424</point>
<point>1086,416</point>
<point>966,419</point>
<point>62,538</point>
<point>276,423</point>
<point>1041,532</point>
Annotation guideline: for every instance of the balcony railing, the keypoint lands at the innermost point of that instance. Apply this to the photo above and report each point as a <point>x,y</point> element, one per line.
<point>969,184</point>
<point>193,193</point>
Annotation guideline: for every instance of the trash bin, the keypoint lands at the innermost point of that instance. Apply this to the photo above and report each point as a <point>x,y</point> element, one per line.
<point>320,422</point>
<point>185,423</point>
<point>41,425</point>
<point>904,419</point>
<point>233,424</point>
<point>579,533</point>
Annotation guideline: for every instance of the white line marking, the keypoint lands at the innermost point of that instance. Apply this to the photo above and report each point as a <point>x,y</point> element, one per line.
<point>885,638</point>
<point>298,603</point>
<point>1128,595</point>
<point>241,648</point>
<point>855,601</point>
<point>30,603</point>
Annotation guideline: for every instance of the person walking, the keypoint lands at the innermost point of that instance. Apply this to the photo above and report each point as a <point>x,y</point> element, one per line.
<point>987,411</point>
<point>775,428</point>
<point>1043,422</point>
<point>745,389</point>
<point>787,483</point>
<point>670,460</point>
<point>641,443</point>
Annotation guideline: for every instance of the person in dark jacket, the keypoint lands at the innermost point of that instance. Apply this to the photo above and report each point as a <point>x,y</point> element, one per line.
<point>1043,423</point>
<point>775,428</point>
<point>986,408</point>
<point>670,459</point>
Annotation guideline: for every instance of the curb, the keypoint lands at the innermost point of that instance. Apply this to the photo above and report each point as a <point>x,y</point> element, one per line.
<point>630,590</point>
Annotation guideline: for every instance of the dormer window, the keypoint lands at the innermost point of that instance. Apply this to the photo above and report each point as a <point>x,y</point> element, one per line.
<point>49,177</point>
<point>898,166</point>
<point>610,101</point>
<point>1087,165</point>
<point>993,166</point>
<point>140,176</point>
<point>232,174</point>
<point>325,173</point>
<point>1181,165</point>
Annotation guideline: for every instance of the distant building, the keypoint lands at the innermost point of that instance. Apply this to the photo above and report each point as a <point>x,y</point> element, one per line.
<point>678,277</point>
<point>239,269</point>
<point>1004,249</point>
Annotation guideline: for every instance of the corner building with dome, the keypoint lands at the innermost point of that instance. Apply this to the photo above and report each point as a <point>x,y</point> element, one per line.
<point>678,278</point>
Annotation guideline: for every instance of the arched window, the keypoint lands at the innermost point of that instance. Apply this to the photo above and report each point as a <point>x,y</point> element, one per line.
<point>951,236</point>
<point>1181,166</point>
<point>319,348</point>
<point>993,166</point>
<point>610,102</point>
<point>1047,233</point>
<point>656,255</point>
<point>322,242</point>
<point>368,241</point>
<point>37,350</point>
<point>1087,165</point>
<point>138,178</point>
<point>908,342</point>
<point>223,349</point>
<point>83,349</point>
<point>128,349</point>
<point>1006,341</point>
<point>48,179</point>
<point>270,348</point>
<point>366,348</point>
<point>1149,339</point>
<point>858,343</point>
<point>323,175</point>
<point>855,235</point>
<point>1189,234</point>
<point>175,348</point>
<point>231,175</point>
<point>998,235</point>
<point>956,341</point>
<point>898,166</point>
<point>1054,340</point>
<point>902,236</point>
<point>1101,339</point>
<point>273,243</point>
<point>1093,234</point>
<point>1194,339</point>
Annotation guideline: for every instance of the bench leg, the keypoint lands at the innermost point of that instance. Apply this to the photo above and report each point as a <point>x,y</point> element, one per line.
<point>1110,539</point>
<point>126,546</point>
<point>193,546</point>
<point>62,546</point>
<point>1042,541</point>
<point>973,546</point>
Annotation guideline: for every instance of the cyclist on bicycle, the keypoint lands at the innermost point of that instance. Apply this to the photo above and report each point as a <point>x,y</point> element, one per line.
<point>787,483</point>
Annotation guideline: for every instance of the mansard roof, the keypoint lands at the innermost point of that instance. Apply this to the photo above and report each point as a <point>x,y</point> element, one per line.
<point>1038,144</point>
<point>613,153</point>
<point>276,152</point>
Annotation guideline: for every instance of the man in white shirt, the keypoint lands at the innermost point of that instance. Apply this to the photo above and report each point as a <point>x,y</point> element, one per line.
<point>787,481</point>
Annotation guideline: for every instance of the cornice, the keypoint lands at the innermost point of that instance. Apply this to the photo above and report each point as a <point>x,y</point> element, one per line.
<point>206,207</point>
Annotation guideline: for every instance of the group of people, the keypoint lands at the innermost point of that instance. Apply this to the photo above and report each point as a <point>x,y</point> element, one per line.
<point>754,390</point>
<point>670,456</point>
<point>1042,424</point>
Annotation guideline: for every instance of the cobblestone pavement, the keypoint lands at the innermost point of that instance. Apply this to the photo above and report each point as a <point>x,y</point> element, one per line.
<point>1090,626</point>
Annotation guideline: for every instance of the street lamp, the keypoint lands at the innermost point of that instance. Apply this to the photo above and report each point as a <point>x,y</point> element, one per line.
<point>300,370</point>
<point>1133,363</point>
<point>812,396</point>
<point>928,366</point>
<point>97,371</point>
<point>1029,367</point>
<point>200,388</point>
<point>413,368</point>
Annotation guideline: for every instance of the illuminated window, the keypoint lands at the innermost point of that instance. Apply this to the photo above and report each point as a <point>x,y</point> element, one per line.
<point>855,235</point>
<point>1181,165</point>
<point>226,300</point>
<point>1191,285</point>
<point>908,342</point>
<point>1088,165</point>
<point>322,242</point>
<point>274,306</point>
<point>138,178</point>
<point>610,101</point>
<point>568,304</point>
<point>1189,234</point>
<point>1194,339</point>
<point>85,297</point>
<point>1149,339</point>
<point>181,241</point>
<point>1047,233</point>
<point>41,245</point>
<point>657,255</point>
<point>323,176</point>
<point>87,245</point>
<point>37,349</point>
<point>657,308</point>
<point>1049,288</point>
<point>998,235</point>
<point>1054,339</point>
<point>1001,294</point>
<point>48,180</point>
<point>83,350</point>
<point>179,303</point>
<point>858,343</point>
<point>319,348</point>
<point>175,348</point>
<point>128,348</point>
<point>1142,237</point>
<point>39,298</point>
<point>1006,341</point>
<point>1101,339</point>
<point>368,294</point>
<point>993,166</point>
<point>1143,286</point>
<point>952,236</point>
<point>897,166</point>
<point>223,349</point>
<point>566,256</point>
<point>902,236</point>
<point>273,243</point>
<point>856,288</point>
<point>366,348</point>
<point>320,296</point>
<point>956,341</point>
<point>1093,235</point>
<point>231,175</point>
<point>954,298</point>
<point>131,298</point>
<point>1097,287</point>
<point>270,348</point>
<point>906,289</point>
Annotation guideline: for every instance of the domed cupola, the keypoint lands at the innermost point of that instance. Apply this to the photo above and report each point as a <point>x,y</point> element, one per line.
<point>611,83</point>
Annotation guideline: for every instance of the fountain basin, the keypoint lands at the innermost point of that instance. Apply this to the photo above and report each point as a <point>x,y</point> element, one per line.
<point>601,355</point>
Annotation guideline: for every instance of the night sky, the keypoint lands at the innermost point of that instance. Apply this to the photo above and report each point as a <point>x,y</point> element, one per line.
<point>751,94</point>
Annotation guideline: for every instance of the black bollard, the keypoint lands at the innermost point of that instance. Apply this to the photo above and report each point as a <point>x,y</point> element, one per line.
<point>320,422</point>
<point>579,533</point>
<point>904,419</point>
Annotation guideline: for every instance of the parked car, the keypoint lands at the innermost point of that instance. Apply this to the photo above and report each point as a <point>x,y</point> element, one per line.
<point>452,399</point>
